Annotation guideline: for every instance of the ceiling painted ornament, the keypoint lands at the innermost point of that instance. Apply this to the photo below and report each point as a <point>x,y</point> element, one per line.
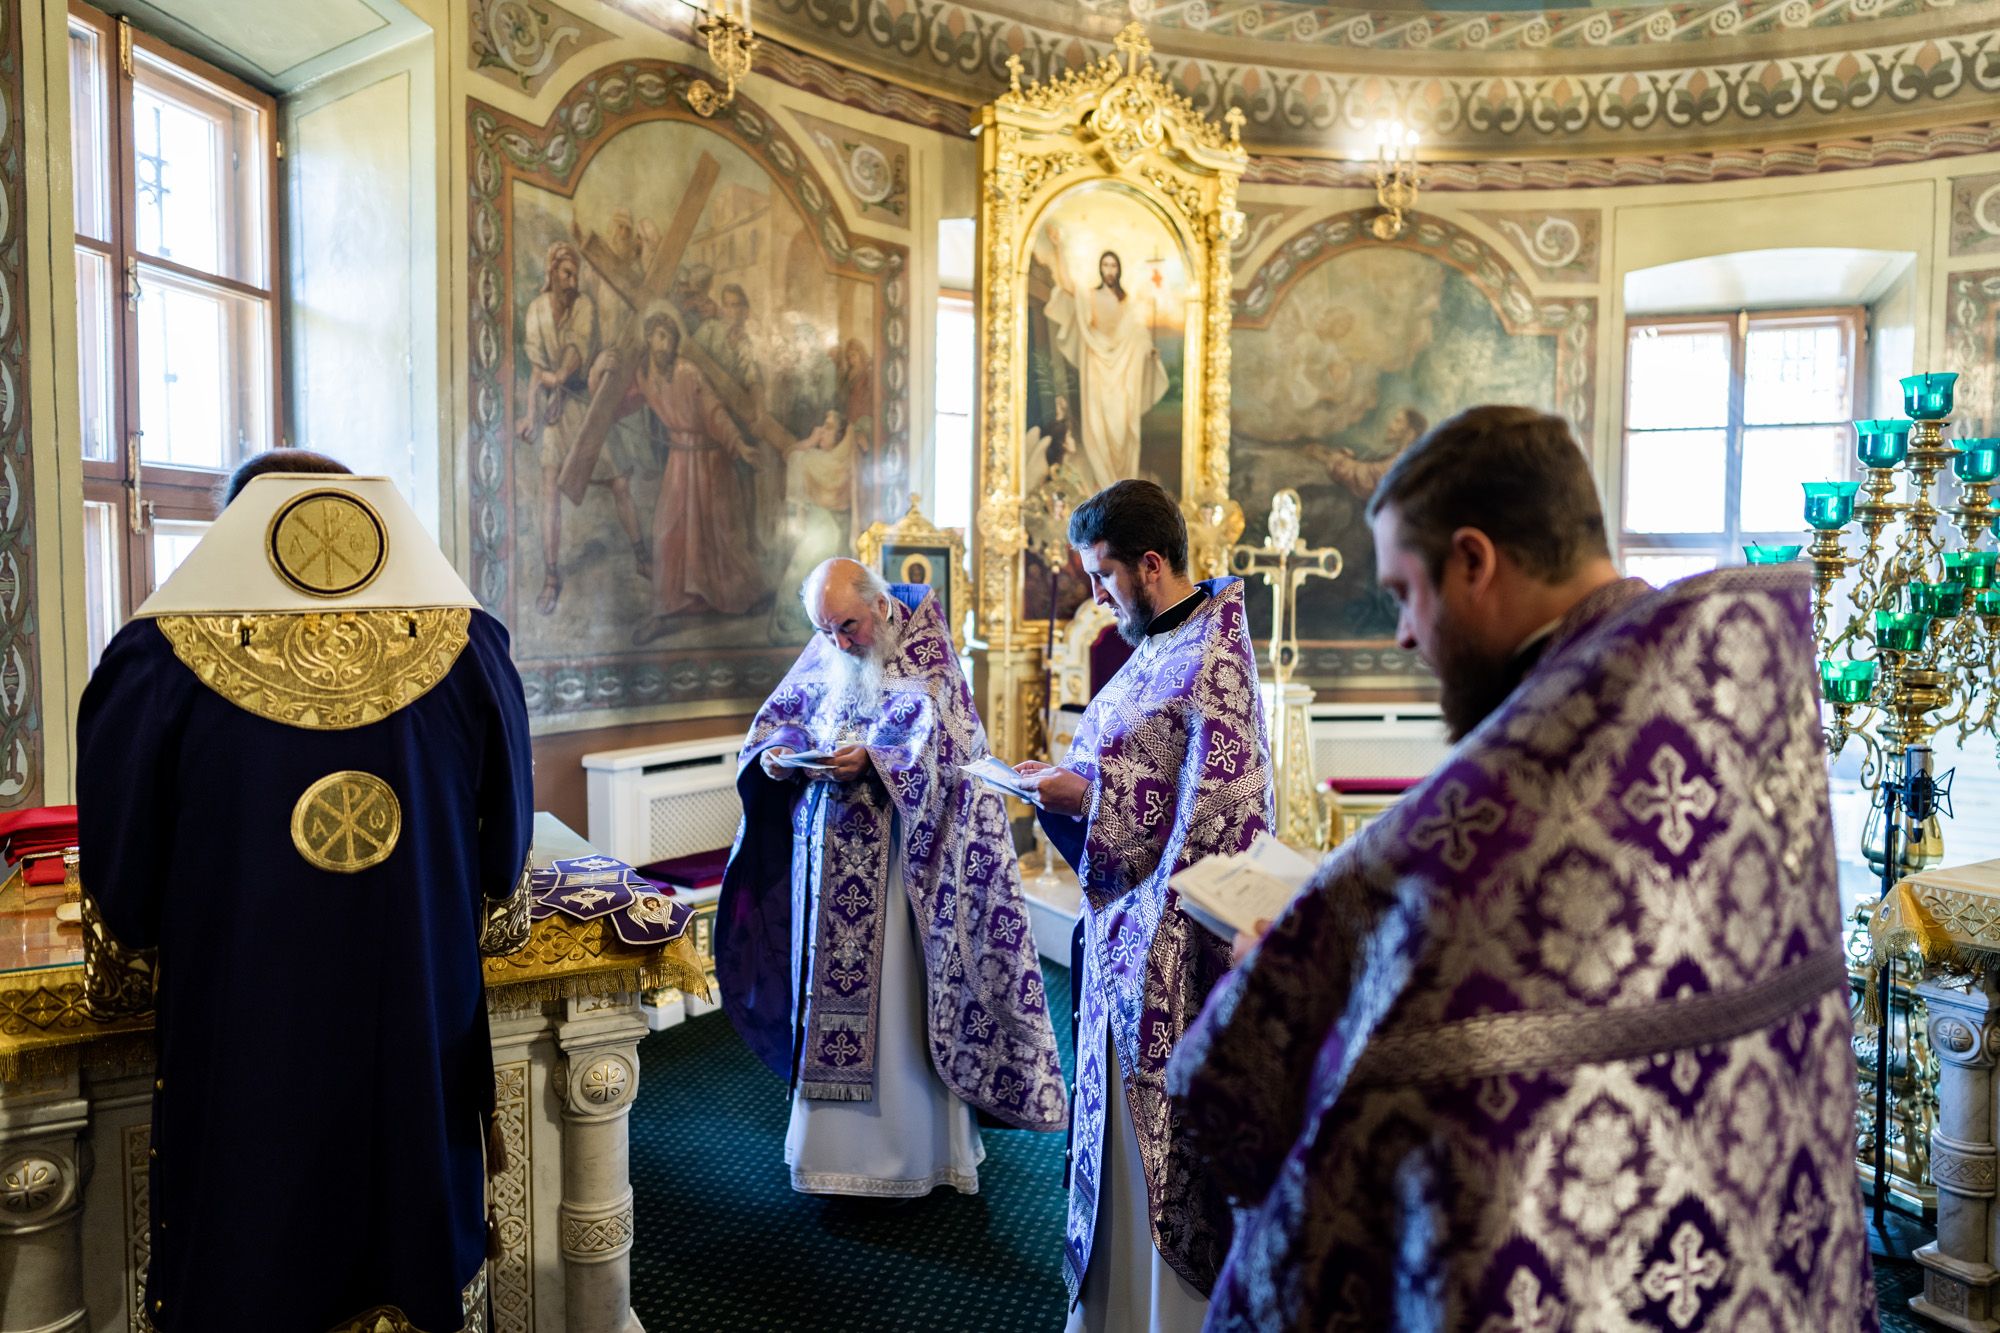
<point>1314,79</point>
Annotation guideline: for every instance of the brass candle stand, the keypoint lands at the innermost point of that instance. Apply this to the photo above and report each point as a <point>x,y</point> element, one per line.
<point>1912,657</point>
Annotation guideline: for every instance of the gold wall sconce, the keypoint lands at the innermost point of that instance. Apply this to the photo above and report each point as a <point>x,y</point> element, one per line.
<point>731,46</point>
<point>1396,177</point>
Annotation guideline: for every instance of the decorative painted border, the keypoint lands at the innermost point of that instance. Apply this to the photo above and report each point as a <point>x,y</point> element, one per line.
<point>1972,343</point>
<point>528,41</point>
<point>1686,168</point>
<point>504,148</point>
<point>21,752</point>
<point>1561,246</point>
<point>1975,214</point>
<point>1572,319</point>
<point>1295,23</point>
<point>962,51</point>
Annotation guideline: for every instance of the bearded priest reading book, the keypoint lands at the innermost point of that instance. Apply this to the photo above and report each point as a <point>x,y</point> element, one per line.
<point>873,947</point>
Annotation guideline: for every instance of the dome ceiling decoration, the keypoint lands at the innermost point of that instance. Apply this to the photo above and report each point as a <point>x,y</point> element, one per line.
<point>1525,81</point>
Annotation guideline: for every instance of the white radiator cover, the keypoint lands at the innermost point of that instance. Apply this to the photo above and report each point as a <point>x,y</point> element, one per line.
<point>655,801</point>
<point>1377,740</point>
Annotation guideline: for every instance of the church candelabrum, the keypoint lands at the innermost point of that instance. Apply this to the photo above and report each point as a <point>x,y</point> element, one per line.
<point>730,45</point>
<point>1915,653</point>
<point>1912,653</point>
<point>1396,178</point>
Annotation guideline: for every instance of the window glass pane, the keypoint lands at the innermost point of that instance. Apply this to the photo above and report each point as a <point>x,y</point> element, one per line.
<point>97,361</point>
<point>952,470</point>
<point>1679,376</point>
<point>1675,481</point>
<point>89,145</point>
<point>173,539</point>
<point>1663,567</point>
<point>1795,372</point>
<point>204,380</point>
<point>102,607</point>
<point>198,168</point>
<point>957,369</point>
<point>1776,461</point>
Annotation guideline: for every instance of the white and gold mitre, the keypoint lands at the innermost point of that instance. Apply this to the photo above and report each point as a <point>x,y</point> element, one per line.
<point>298,541</point>
<point>317,601</point>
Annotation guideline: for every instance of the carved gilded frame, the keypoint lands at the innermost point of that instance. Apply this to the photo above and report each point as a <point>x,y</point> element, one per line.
<point>889,549</point>
<point>1116,120</point>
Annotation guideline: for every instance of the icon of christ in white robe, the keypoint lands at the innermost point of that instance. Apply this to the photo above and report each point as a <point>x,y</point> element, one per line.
<point>1106,332</point>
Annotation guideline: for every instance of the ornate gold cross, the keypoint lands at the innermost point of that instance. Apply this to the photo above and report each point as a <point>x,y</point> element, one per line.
<point>1285,564</point>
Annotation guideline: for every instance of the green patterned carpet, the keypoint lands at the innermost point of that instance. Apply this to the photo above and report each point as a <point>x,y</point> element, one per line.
<point>725,1245</point>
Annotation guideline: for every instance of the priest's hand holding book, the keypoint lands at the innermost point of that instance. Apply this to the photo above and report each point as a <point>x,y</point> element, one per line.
<point>1057,790</point>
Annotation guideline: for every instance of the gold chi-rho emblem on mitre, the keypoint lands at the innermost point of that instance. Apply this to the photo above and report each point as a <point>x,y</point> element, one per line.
<point>327,543</point>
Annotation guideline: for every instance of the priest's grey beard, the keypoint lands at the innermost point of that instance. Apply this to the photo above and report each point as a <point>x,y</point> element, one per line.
<point>1132,628</point>
<point>861,674</point>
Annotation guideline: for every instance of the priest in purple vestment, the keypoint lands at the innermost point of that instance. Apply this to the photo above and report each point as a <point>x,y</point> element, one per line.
<point>1170,765</point>
<point>1562,1040</point>
<point>873,945</point>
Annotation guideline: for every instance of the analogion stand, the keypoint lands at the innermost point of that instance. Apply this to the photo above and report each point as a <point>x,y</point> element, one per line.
<point>75,1125</point>
<point>1952,916</point>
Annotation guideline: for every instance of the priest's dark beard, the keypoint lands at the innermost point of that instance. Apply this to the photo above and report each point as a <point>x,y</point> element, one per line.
<point>1471,682</point>
<point>1133,628</point>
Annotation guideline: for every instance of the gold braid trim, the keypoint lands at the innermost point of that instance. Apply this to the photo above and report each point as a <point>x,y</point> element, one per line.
<point>323,670</point>
<point>117,981</point>
<point>504,923</point>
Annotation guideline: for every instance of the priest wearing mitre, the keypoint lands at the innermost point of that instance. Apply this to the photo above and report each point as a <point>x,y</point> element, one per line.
<point>872,945</point>
<point>1170,765</point>
<point>304,780</point>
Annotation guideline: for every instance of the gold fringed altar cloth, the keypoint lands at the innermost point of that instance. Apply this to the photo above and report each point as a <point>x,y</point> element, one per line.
<point>1950,917</point>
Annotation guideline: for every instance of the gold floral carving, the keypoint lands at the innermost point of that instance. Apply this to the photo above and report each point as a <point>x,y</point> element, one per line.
<point>347,822</point>
<point>1116,119</point>
<point>323,670</point>
<point>117,981</point>
<point>327,543</point>
<point>513,1272</point>
<point>505,923</point>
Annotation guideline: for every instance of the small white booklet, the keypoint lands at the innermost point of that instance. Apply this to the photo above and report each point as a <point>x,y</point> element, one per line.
<point>997,775</point>
<point>813,761</point>
<point>1233,893</point>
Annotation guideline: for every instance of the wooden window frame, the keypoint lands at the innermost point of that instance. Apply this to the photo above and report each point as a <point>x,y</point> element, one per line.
<point>140,492</point>
<point>1727,543</point>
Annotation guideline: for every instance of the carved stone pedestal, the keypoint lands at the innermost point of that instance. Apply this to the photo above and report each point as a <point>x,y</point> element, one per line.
<point>1959,1278</point>
<point>41,1206</point>
<point>1301,815</point>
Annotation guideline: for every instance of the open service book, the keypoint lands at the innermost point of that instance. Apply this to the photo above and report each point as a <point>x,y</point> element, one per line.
<point>1233,893</point>
<point>811,761</point>
<point>996,774</point>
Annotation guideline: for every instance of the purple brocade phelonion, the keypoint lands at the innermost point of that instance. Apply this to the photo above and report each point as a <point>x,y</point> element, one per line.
<point>1977,460</point>
<point>1928,397</point>
<point>1883,443</point>
<point>1830,504</point>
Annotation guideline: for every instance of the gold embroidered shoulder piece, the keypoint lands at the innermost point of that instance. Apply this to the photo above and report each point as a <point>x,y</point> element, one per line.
<point>323,670</point>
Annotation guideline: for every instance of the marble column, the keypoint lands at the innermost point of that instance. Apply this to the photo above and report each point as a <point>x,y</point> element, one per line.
<point>1959,1267</point>
<point>599,1038</point>
<point>41,1206</point>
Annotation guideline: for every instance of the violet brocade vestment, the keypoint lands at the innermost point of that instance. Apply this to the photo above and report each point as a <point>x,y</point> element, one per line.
<point>1179,767</point>
<point>1562,1041</point>
<point>825,846</point>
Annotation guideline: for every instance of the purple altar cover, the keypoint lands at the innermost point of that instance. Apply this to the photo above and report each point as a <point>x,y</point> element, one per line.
<point>1562,1040</point>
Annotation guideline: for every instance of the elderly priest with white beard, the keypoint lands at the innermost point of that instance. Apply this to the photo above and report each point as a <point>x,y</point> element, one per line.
<point>872,943</point>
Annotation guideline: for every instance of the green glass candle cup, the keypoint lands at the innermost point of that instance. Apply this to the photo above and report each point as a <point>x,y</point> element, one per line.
<point>1988,602</point>
<point>1771,555</point>
<point>1977,460</point>
<point>1975,569</point>
<point>1830,504</point>
<point>1882,444</point>
<point>1928,397</point>
<point>1900,631</point>
<point>1941,601</point>
<point>1847,682</point>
